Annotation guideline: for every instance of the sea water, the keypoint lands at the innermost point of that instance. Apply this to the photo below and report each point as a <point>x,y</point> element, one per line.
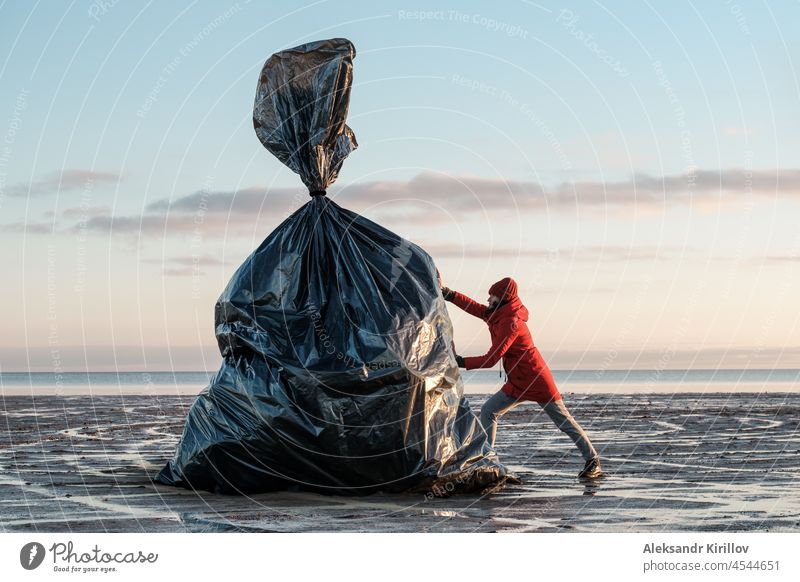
<point>475,381</point>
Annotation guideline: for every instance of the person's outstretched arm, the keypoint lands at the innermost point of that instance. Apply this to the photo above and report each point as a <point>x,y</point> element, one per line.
<point>460,300</point>
<point>498,349</point>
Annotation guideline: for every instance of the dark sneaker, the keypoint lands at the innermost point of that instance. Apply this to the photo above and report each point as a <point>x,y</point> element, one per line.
<point>591,470</point>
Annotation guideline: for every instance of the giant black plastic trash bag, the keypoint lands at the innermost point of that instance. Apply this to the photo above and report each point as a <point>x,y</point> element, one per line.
<point>338,371</point>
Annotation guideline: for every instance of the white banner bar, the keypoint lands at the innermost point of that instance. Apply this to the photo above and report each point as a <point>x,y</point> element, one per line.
<point>375,557</point>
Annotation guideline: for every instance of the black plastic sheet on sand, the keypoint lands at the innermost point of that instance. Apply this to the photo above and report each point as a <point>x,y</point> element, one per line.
<point>338,371</point>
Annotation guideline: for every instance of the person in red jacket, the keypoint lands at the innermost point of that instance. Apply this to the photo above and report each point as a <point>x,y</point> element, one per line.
<point>528,376</point>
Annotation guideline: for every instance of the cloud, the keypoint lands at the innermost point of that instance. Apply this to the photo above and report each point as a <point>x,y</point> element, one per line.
<point>63,181</point>
<point>217,214</point>
<point>429,191</point>
<point>184,272</point>
<point>586,254</point>
<point>468,194</point>
<point>740,131</point>
<point>432,198</point>
<point>246,201</point>
<point>449,250</point>
<point>155,225</point>
<point>28,227</point>
<point>683,188</point>
<point>187,266</point>
<point>420,197</point>
<point>780,259</point>
<point>188,261</point>
<point>85,212</point>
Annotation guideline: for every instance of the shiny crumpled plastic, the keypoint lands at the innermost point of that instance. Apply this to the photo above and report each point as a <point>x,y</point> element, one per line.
<point>301,107</point>
<point>338,370</point>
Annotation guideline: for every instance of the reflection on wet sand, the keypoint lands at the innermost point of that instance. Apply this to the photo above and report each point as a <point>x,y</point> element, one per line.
<point>711,462</point>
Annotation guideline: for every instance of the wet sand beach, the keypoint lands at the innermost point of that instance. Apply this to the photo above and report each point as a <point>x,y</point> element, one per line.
<point>699,462</point>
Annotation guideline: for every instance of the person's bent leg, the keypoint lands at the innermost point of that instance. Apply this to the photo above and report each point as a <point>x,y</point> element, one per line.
<point>559,414</point>
<point>494,408</point>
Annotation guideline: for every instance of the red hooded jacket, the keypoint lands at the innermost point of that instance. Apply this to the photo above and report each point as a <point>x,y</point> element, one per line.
<point>529,378</point>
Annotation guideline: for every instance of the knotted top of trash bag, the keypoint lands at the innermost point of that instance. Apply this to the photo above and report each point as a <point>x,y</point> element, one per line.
<point>301,106</point>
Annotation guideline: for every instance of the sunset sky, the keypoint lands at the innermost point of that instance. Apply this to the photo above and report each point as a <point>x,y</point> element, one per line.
<point>635,166</point>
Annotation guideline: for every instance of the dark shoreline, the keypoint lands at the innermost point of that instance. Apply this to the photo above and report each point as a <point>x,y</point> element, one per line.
<point>716,462</point>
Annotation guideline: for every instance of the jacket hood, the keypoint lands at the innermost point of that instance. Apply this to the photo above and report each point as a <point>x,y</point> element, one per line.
<point>505,289</point>
<point>512,308</point>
